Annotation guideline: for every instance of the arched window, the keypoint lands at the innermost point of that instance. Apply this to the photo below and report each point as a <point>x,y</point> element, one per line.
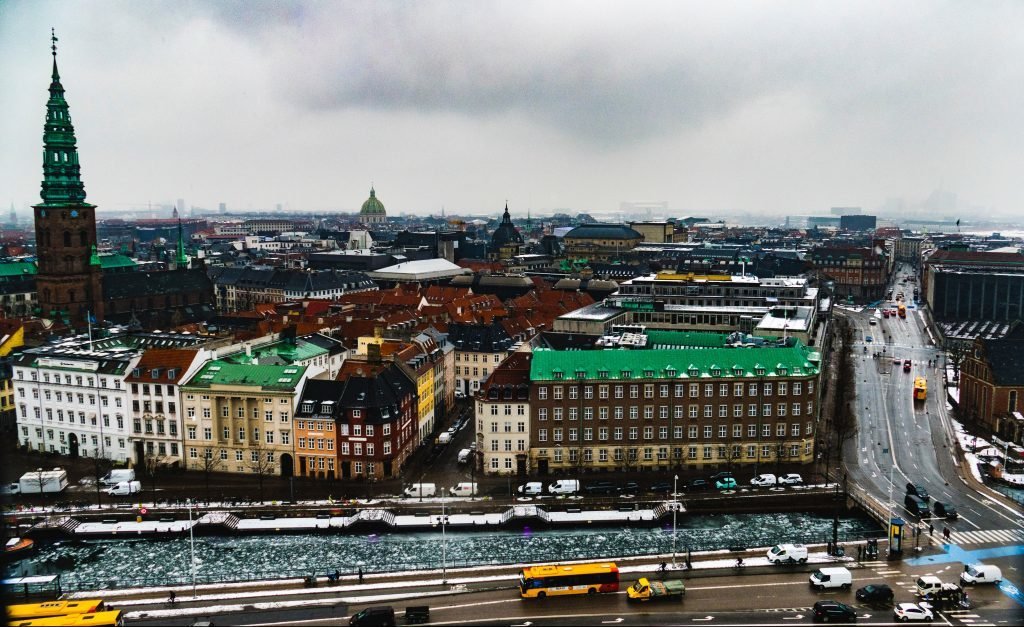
<point>83,238</point>
<point>67,238</point>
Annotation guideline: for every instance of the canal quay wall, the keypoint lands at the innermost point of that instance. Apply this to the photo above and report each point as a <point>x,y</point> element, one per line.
<point>414,515</point>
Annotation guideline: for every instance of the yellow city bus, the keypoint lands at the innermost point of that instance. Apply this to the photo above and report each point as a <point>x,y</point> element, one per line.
<point>25,611</point>
<point>112,618</point>
<point>541,581</point>
<point>920,389</point>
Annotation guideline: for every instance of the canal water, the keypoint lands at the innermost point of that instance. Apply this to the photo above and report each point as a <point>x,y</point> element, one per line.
<point>123,562</point>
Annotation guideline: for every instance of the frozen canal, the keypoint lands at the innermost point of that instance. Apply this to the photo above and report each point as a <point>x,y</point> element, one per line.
<point>127,562</point>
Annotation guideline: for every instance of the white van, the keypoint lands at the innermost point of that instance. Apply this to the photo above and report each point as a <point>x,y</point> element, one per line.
<point>125,488</point>
<point>928,584</point>
<point>421,489</point>
<point>118,475</point>
<point>980,573</point>
<point>564,486</point>
<point>532,488</point>
<point>464,455</point>
<point>463,489</point>
<point>764,481</point>
<point>837,577</point>
<point>787,553</point>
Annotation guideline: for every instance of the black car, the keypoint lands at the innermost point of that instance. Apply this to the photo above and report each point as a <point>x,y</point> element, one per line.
<point>834,611</point>
<point>718,476</point>
<point>699,485</point>
<point>946,510</point>
<point>663,487</point>
<point>918,490</point>
<point>600,487</point>
<point>630,487</point>
<point>875,593</point>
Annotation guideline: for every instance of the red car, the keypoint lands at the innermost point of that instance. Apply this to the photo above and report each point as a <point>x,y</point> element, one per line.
<point>906,365</point>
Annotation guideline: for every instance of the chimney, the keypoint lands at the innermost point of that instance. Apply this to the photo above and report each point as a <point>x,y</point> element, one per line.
<point>373,352</point>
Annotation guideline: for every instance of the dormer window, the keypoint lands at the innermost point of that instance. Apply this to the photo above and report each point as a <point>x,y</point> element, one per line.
<point>670,372</point>
<point>172,373</point>
<point>557,374</point>
<point>602,374</point>
<point>154,373</point>
<point>581,374</point>
<point>759,371</point>
<point>325,408</point>
<point>716,372</point>
<point>649,373</point>
<point>693,372</point>
<point>626,374</point>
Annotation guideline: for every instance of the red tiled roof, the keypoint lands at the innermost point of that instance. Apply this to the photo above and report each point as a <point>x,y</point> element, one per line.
<point>163,358</point>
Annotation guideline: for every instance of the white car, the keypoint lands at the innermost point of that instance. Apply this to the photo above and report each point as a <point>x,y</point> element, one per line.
<point>791,479</point>
<point>763,480</point>
<point>10,489</point>
<point>912,611</point>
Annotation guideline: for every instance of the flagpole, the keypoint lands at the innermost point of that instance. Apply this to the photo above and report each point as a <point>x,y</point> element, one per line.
<point>88,321</point>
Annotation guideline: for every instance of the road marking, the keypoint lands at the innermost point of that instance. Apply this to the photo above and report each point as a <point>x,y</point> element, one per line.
<point>607,622</point>
<point>705,618</point>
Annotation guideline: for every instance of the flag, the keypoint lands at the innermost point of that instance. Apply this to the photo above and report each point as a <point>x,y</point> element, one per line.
<point>92,318</point>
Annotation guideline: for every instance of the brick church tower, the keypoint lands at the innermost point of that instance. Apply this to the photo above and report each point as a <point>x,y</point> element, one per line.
<point>68,281</point>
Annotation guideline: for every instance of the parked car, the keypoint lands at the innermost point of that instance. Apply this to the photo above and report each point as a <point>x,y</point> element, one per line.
<point>912,611</point>
<point>765,480</point>
<point>600,487</point>
<point>834,611</point>
<point>728,483</point>
<point>869,339</point>
<point>875,593</point>
<point>787,553</point>
<point>630,487</point>
<point>662,487</point>
<point>945,510</point>
<point>725,474</point>
<point>872,322</point>
<point>564,486</point>
<point>918,490</point>
<point>790,479</point>
<point>699,485</point>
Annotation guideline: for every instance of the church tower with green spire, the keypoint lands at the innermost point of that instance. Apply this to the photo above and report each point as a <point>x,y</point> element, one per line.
<point>68,281</point>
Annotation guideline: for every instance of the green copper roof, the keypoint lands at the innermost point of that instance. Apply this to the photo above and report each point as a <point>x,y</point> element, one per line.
<point>699,363</point>
<point>62,183</point>
<point>116,260</point>
<point>17,268</point>
<point>94,257</point>
<point>284,350</point>
<point>180,258</point>
<point>372,206</point>
<point>685,339</point>
<point>271,378</point>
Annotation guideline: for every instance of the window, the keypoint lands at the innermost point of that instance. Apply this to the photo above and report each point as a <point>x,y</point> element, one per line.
<point>694,390</point>
<point>752,389</point>
<point>767,389</point>
<point>618,391</point>
<point>708,411</point>
<point>558,392</point>
<point>618,433</point>
<point>542,393</point>
<point>796,388</point>
<point>692,432</point>
<point>796,409</point>
<point>783,388</point>
<point>780,430</point>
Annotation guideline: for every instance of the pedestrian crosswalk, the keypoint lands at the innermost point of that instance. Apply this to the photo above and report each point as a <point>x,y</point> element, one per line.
<point>987,536</point>
<point>968,617</point>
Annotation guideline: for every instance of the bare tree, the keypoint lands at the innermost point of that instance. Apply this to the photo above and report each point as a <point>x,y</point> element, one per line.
<point>152,465</point>
<point>101,466</point>
<point>957,351</point>
<point>730,454</point>
<point>208,464</point>
<point>261,462</point>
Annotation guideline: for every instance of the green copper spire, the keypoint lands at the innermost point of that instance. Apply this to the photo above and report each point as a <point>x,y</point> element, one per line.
<point>180,258</point>
<point>62,184</point>
<point>94,256</point>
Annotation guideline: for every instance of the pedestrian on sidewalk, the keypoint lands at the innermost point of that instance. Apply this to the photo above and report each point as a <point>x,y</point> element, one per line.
<point>860,552</point>
<point>360,574</point>
<point>931,528</point>
<point>945,534</point>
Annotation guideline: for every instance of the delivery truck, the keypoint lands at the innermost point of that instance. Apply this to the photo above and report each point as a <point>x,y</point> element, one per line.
<point>647,590</point>
<point>41,481</point>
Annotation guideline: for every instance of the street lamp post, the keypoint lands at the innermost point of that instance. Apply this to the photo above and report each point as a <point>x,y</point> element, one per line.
<point>192,548</point>
<point>675,508</point>
<point>444,543</point>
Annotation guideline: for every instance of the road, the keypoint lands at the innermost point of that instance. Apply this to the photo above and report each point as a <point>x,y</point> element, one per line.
<point>761,596</point>
<point>913,440</point>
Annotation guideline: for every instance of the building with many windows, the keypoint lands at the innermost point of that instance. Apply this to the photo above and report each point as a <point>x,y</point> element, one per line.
<point>74,400</point>
<point>503,417</point>
<point>239,417</point>
<point>156,419</point>
<point>992,385</point>
<point>479,348</point>
<point>671,407</point>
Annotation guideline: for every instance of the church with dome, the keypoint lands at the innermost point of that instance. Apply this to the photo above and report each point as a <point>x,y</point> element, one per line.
<point>373,210</point>
<point>506,241</point>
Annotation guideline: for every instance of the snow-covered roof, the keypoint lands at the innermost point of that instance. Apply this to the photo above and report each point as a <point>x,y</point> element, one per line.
<point>420,269</point>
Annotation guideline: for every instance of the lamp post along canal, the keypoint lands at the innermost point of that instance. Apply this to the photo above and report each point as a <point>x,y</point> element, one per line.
<point>444,543</point>
<point>192,548</point>
<point>675,509</point>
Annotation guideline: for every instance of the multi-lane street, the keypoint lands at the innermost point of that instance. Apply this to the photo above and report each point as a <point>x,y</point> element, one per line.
<point>761,596</point>
<point>912,441</point>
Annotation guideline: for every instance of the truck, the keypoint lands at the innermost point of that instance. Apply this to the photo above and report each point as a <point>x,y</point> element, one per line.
<point>41,481</point>
<point>118,475</point>
<point>647,590</point>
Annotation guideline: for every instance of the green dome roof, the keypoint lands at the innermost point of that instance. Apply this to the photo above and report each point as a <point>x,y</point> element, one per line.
<point>372,206</point>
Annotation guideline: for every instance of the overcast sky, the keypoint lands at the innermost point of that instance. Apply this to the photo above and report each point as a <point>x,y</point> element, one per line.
<point>773,107</point>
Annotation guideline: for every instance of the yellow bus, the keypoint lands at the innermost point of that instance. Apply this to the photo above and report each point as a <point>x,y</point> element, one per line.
<point>542,581</point>
<point>112,618</point>
<point>920,389</point>
<point>54,608</point>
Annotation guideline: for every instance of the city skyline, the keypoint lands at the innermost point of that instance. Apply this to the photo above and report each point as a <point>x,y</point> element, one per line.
<point>442,105</point>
